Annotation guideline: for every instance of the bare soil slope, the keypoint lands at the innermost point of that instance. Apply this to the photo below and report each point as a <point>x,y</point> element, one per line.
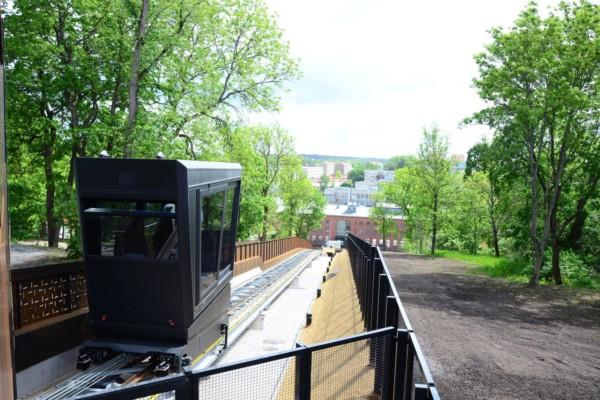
<point>489,339</point>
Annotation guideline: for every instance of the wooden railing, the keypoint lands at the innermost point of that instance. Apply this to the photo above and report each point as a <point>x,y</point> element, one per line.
<point>270,249</point>
<point>43,292</point>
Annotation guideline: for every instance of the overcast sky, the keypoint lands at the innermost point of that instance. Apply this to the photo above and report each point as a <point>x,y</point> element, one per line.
<point>375,72</point>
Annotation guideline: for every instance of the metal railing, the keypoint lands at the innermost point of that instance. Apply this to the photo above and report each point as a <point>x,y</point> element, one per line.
<point>385,362</point>
<point>381,306</point>
<point>352,367</point>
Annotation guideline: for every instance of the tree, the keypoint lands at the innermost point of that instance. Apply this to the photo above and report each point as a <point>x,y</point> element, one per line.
<point>324,182</point>
<point>433,170</point>
<point>481,159</point>
<point>406,192</point>
<point>264,153</point>
<point>303,204</point>
<point>357,173</point>
<point>383,219</point>
<point>472,206</point>
<point>132,77</point>
<point>397,162</point>
<point>540,80</point>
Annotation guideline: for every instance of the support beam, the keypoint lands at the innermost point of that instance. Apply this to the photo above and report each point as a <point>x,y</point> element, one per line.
<point>7,377</point>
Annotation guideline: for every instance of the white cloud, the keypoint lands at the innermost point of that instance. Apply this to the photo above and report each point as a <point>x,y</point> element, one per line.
<point>376,72</point>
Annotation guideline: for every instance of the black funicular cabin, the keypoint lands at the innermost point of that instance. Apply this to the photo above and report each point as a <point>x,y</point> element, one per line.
<point>159,246</point>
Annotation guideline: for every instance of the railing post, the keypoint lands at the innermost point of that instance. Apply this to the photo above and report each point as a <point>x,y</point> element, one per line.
<point>389,369</point>
<point>188,389</point>
<point>303,373</point>
<point>374,293</point>
<point>421,392</point>
<point>368,292</point>
<point>400,364</point>
<point>410,360</point>
<point>376,355</point>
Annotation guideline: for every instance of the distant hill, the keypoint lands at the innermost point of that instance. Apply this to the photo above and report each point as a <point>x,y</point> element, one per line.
<point>319,158</point>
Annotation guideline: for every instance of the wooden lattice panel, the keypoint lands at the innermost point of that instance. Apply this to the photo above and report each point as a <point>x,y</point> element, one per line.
<point>78,291</point>
<point>44,298</point>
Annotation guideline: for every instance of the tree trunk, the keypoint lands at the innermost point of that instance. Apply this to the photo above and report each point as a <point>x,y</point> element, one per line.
<point>555,245</point>
<point>434,223</point>
<point>556,262</point>
<point>53,226</point>
<point>134,82</point>
<point>263,235</point>
<point>533,220</point>
<point>495,238</point>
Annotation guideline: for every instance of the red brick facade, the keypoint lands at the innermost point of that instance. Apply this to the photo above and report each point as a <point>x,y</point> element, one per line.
<point>360,226</point>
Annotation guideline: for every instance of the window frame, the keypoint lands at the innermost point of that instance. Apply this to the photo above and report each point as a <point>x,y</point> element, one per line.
<point>204,296</point>
<point>97,212</point>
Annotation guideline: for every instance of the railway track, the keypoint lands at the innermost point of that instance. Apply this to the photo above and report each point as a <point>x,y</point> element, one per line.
<point>247,302</point>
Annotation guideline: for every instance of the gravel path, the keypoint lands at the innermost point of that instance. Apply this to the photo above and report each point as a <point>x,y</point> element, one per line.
<point>488,339</point>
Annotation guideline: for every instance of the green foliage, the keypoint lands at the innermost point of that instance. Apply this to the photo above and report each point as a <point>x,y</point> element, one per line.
<point>500,267</point>
<point>406,192</point>
<point>383,219</point>
<point>540,83</point>
<point>303,204</point>
<point>263,152</point>
<point>324,182</point>
<point>70,77</point>
<point>398,162</point>
<point>576,273</point>
<point>357,173</point>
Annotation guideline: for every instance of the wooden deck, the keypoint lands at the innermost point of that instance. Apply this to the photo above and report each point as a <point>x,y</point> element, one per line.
<point>341,372</point>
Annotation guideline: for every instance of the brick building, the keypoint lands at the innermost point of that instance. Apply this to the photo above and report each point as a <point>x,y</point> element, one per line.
<point>341,219</point>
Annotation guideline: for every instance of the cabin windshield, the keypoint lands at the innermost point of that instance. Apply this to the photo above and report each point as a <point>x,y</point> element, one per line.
<point>131,229</point>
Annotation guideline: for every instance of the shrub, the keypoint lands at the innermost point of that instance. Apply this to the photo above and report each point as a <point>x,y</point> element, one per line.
<point>575,272</point>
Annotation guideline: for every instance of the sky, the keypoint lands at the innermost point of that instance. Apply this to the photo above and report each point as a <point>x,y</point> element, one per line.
<point>376,72</point>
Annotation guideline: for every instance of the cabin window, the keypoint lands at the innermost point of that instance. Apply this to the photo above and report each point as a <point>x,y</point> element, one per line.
<point>210,238</point>
<point>228,244</point>
<point>131,229</point>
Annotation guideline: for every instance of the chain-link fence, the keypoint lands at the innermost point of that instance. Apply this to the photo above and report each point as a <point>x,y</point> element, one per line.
<point>381,307</point>
<point>356,367</point>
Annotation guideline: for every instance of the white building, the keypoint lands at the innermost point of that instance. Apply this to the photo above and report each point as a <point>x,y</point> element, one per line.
<point>328,168</point>
<point>360,185</point>
<point>363,197</point>
<point>338,195</point>
<point>344,196</point>
<point>373,177</point>
<point>313,174</point>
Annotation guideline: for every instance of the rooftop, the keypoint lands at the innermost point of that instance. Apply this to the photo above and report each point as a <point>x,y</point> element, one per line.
<point>343,210</point>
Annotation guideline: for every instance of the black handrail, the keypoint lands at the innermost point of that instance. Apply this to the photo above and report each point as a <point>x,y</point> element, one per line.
<point>381,306</point>
<point>385,319</point>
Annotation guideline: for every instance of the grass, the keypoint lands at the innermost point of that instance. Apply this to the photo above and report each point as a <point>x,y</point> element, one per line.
<point>499,267</point>
<point>512,269</point>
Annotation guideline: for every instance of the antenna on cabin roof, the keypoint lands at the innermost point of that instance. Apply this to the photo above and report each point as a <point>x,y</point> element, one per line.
<point>160,155</point>
<point>104,154</point>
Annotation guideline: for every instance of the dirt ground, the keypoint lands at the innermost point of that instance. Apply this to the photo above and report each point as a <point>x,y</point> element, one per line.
<point>485,338</point>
